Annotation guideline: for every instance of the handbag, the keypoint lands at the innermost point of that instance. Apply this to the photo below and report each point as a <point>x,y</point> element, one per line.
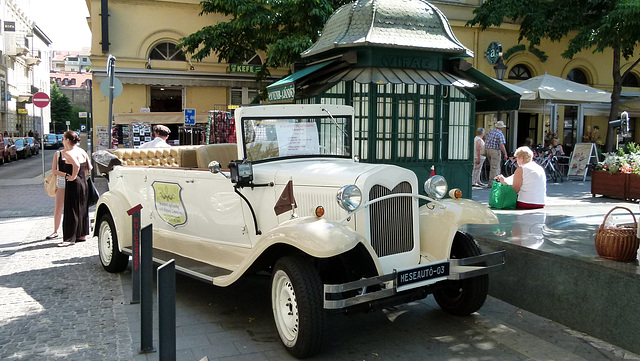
<point>51,184</point>
<point>92,193</point>
<point>502,196</point>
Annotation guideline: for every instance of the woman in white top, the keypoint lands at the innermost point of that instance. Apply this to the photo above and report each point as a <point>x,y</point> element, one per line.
<point>529,181</point>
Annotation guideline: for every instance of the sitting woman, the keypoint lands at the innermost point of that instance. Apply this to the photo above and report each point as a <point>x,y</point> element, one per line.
<point>529,181</point>
<point>556,148</point>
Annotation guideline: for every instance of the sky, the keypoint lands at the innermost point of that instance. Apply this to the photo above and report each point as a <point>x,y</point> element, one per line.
<point>63,21</point>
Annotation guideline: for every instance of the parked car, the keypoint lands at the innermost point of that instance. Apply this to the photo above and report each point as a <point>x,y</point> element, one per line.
<point>8,151</point>
<point>22,148</point>
<point>34,145</point>
<point>336,235</point>
<point>51,141</point>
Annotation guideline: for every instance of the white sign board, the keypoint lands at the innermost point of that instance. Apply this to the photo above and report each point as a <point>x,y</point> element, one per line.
<point>582,155</point>
<point>297,138</point>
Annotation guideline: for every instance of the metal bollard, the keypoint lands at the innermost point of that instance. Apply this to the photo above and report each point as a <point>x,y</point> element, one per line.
<point>135,252</point>
<point>146,294</point>
<point>167,311</point>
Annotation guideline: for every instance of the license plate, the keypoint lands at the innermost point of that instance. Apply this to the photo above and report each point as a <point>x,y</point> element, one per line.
<point>419,276</point>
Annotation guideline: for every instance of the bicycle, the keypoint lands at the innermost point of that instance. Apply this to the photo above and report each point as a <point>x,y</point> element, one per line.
<point>549,162</point>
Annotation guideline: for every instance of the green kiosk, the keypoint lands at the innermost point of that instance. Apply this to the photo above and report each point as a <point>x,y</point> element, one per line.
<point>400,66</point>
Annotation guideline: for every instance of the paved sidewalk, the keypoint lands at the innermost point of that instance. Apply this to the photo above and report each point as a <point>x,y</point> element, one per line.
<point>57,303</point>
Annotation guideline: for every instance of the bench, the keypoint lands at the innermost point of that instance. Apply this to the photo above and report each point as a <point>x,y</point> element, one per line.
<point>187,156</point>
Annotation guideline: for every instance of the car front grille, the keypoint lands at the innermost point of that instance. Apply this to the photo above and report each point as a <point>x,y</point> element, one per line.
<point>391,220</point>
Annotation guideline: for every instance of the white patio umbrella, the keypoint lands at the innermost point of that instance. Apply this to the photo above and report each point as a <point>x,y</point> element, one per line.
<point>549,87</point>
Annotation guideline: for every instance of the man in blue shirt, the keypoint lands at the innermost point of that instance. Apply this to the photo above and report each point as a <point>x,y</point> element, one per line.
<point>494,144</point>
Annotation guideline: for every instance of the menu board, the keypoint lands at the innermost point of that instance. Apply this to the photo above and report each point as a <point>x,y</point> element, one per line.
<point>583,154</point>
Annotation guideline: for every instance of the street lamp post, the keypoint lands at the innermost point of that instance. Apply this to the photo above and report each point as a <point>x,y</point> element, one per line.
<point>500,68</point>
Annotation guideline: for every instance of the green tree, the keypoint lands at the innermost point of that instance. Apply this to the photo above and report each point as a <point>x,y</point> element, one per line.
<point>76,121</point>
<point>61,110</point>
<point>283,29</point>
<point>593,25</point>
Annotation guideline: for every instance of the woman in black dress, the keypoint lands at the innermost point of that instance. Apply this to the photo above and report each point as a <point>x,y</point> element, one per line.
<point>75,224</point>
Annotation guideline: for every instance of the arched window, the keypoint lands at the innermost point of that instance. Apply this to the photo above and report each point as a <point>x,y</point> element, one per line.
<point>167,51</point>
<point>250,60</point>
<point>631,80</point>
<point>519,72</point>
<point>578,76</point>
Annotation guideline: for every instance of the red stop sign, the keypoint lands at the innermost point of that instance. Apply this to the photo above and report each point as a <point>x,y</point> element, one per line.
<point>40,99</point>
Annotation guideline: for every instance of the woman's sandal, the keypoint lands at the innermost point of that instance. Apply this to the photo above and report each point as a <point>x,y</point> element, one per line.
<point>52,236</point>
<point>66,244</point>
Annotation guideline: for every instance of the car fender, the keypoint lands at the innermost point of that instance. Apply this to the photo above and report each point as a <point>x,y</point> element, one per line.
<point>316,237</point>
<point>439,224</point>
<point>117,205</point>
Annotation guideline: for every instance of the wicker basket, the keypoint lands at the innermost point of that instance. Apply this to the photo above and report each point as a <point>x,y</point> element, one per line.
<point>618,244</point>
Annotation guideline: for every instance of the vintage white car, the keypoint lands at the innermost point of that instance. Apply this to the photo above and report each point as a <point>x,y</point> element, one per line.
<point>292,199</point>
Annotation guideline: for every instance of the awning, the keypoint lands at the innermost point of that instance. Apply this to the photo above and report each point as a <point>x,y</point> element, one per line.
<point>491,94</point>
<point>157,118</point>
<point>284,89</point>
<point>378,75</point>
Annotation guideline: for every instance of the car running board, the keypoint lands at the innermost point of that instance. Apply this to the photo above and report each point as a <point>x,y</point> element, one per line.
<point>187,266</point>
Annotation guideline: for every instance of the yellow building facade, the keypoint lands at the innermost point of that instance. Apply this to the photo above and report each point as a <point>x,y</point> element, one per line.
<point>158,80</point>
<point>140,34</point>
<point>570,121</point>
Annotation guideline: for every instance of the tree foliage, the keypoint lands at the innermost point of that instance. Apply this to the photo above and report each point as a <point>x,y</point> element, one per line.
<point>62,111</point>
<point>593,25</point>
<point>282,29</point>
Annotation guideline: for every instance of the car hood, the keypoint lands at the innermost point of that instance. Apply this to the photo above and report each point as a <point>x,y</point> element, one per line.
<point>318,172</point>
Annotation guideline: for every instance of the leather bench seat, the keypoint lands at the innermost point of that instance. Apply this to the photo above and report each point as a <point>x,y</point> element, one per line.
<point>188,156</point>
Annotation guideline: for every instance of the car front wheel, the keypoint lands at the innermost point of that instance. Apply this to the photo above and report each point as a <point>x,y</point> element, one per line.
<point>110,256</point>
<point>464,297</point>
<point>296,300</point>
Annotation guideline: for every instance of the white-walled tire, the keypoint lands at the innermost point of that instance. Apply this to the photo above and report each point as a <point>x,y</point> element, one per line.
<point>296,300</point>
<point>110,256</point>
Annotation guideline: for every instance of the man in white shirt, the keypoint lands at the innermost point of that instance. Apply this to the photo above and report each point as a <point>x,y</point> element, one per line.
<point>161,134</point>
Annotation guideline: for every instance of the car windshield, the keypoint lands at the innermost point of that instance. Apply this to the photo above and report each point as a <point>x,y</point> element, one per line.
<point>19,142</point>
<point>270,138</point>
<point>51,137</point>
<point>29,140</point>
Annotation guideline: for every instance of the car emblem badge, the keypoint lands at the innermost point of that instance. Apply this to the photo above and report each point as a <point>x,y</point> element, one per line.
<point>168,202</point>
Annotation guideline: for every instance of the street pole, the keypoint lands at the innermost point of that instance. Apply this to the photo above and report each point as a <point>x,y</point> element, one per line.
<point>42,139</point>
<point>111,64</point>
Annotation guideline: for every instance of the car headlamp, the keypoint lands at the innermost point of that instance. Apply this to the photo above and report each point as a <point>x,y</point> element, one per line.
<point>436,187</point>
<point>349,197</point>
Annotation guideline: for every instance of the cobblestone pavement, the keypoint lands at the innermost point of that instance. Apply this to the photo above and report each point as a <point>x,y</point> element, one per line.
<point>57,303</point>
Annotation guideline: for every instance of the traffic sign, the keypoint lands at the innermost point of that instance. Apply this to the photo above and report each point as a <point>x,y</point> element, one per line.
<point>41,99</point>
<point>117,87</point>
<point>189,117</point>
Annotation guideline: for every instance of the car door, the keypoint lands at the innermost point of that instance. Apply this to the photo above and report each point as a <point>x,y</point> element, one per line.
<point>197,215</point>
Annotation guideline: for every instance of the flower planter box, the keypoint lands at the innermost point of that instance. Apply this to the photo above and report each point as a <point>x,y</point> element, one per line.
<point>609,185</point>
<point>633,187</point>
